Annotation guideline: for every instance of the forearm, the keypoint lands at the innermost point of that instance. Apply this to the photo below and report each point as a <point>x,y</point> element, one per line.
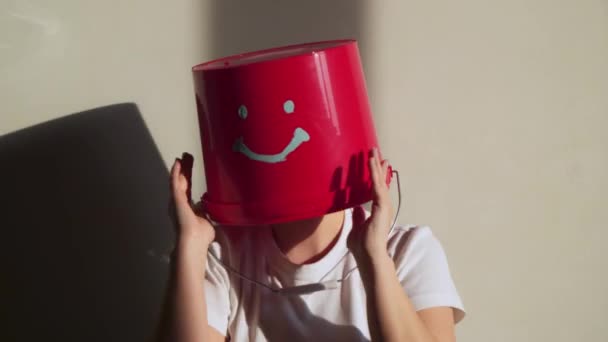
<point>184,316</point>
<point>391,315</point>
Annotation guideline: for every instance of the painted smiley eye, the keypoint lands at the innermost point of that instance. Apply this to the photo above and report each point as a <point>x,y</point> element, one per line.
<point>289,107</point>
<point>242,112</point>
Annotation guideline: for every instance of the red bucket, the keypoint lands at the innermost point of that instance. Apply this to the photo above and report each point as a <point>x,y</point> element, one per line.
<point>286,133</point>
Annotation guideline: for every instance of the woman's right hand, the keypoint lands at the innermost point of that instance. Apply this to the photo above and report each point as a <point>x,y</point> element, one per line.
<point>193,231</point>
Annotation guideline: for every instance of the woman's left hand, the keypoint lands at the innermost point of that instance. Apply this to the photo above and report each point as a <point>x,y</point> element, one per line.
<point>369,235</point>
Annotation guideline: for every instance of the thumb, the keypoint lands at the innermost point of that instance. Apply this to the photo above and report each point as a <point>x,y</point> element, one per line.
<point>358,216</point>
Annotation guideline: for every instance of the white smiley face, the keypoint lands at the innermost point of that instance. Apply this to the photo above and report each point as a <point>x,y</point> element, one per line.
<point>299,136</point>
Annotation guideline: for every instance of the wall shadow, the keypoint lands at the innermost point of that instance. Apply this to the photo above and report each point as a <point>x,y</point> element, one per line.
<point>84,217</point>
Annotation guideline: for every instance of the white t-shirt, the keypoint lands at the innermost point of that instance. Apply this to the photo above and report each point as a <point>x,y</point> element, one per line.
<point>249,312</point>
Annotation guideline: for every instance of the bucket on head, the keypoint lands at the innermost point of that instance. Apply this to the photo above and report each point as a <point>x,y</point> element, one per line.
<point>286,133</point>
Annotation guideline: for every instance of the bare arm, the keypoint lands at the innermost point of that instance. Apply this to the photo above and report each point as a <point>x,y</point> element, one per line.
<point>391,315</point>
<point>184,315</point>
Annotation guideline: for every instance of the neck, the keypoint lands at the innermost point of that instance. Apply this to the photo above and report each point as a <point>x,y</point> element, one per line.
<point>307,241</point>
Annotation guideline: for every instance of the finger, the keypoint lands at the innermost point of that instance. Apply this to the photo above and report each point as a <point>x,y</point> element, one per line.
<point>377,158</point>
<point>385,166</point>
<point>177,190</point>
<point>358,226</point>
<point>381,196</point>
<point>376,171</point>
<point>175,171</point>
<point>188,161</point>
<point>370,166</point>
<point>385,184</point>
<point>374,175</point>
<point>379,165</point>
<point>373,168</point>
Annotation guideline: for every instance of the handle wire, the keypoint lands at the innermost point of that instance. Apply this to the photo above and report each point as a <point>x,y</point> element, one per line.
<point>321,285</point>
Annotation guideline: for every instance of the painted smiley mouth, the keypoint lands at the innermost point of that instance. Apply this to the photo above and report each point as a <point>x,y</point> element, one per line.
<point>299,136</point>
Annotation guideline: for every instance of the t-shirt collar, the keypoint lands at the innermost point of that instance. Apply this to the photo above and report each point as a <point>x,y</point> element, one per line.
<point>313,271</point>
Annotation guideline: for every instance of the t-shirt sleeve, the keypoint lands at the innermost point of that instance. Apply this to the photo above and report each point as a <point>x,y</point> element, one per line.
<point>422,269</point>
<point>217,291</point>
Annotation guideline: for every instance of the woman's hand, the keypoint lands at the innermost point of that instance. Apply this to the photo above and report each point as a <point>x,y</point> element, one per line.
<point>368,237</point>
<point>184,315</point>
<point>192,230</point>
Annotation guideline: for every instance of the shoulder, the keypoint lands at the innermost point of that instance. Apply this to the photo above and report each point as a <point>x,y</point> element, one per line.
<point>406,237</point>
<point>416,249</point>
<point>423,270</point>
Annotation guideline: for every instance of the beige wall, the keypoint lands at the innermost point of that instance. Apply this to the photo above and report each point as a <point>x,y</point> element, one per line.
<point>497,112</point>
<point>494,111</point>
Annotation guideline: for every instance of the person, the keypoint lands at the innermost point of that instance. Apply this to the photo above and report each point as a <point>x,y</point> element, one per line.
<point>390,287</point>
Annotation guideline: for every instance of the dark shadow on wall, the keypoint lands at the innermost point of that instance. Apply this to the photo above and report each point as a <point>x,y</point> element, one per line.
<point>83,221</point>
<point>239,25</point>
